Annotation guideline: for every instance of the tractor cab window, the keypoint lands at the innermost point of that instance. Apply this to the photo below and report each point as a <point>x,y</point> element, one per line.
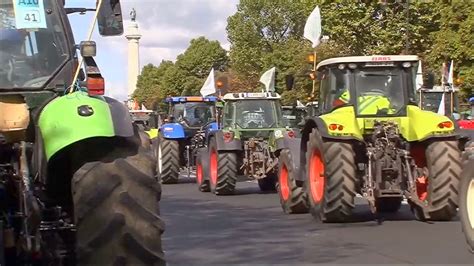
<point>194,114</point>
<point>252,114</point>
<point>379,91</point>
<point>334,89</point>
<point>30,57</point>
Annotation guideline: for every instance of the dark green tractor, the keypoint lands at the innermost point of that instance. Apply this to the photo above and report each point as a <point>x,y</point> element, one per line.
<point>247,144</point>
<point>77,180</point>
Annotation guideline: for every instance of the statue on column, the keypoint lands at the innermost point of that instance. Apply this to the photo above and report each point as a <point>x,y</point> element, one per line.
<point>133,14</point>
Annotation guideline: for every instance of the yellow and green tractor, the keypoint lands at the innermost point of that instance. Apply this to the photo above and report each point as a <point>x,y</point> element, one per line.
<point>371,139</point>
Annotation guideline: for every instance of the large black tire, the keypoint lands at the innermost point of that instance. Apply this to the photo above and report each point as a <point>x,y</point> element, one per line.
<point>202,176</point>
<point>443,160</point>
<point>168,161</point>
<point>330,179</point>
<point>293,199</point>
<point>223,170</point>
<point>466,196</point>
<point>116,210</point>
<point>268,184</point>
<point>388,205</point>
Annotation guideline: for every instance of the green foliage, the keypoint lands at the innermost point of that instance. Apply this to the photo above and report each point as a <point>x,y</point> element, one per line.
<point>269,33</point>
<point>455,41</point>
<point>185,77</point>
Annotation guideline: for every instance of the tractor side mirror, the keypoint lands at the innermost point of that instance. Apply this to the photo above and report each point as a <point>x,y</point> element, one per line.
<point>290,82</point>
<point>110,19</point>
<point>88,48</point>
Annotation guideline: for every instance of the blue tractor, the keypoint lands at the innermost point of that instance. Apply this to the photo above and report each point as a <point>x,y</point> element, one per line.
<point>190,119</point>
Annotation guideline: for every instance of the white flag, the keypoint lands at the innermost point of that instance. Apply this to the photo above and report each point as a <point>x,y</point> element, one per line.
<point>143,107</point>
<point>268,79</point>
<point>209,86</point>
<point>451,74</point>
<point>441,108</point>
<point>312,28</point>
<point>299,104</point>
<point>419,77</point>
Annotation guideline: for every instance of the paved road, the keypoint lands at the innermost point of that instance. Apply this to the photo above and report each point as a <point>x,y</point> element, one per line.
<point>250,228</point>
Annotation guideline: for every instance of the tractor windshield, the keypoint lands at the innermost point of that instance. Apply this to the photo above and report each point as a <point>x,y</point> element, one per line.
<point>252,114</point>
<point>373,91</point>
<point>194,114</point>
<point>379,91</point>
<point>32,43</point>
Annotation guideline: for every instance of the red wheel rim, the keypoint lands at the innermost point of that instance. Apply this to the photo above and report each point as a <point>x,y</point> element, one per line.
<point>214,167</point>
<point>283,180</point>
<point>422,188</point>
<point>199,173</point>
<point>316,176</point>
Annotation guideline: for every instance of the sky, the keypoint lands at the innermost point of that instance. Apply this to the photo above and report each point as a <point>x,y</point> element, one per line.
<point>167,27</point>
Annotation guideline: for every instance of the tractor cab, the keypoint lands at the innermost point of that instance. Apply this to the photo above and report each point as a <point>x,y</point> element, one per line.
<point>373,85</point>
<point>253,112</point>
<point>446,100</point>
<point>431,100</point>
<point>293,116</point>
<point>312,108</point>
<point>189,114</point>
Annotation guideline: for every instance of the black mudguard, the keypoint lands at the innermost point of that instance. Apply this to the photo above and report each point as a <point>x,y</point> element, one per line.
<point>294,145</point>
<point>123,124</point>
<point>234,145</point>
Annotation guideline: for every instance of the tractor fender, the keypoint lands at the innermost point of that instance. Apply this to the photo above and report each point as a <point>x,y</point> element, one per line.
<point>233,145</point>
<point>203,153</point>
<point>172,131</point>
<point>317,122</point>
<point>294,146</point>
<point>77,116</point>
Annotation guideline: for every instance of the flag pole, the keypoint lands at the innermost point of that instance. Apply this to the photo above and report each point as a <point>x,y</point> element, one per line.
<point>314,80</point>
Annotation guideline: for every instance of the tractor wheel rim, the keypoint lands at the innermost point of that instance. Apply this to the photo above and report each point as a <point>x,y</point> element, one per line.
<point>283,180</point>
<point>160,159</point>
<point>422,187</point>
<point>316,176</point>
<point>470,203</point>
<point>214,167</point>
<point>199,173</point>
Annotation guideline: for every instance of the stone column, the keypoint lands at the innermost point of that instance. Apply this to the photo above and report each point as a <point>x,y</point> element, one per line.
<point>133,36</point>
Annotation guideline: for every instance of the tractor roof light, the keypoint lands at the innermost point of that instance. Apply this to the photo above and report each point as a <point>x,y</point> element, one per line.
<point>341,66</point>
<point>406,64</point>
<point>352,66</point>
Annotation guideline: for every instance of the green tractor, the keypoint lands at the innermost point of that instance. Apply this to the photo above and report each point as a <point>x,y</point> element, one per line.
<point>247,143</point>
<point>372,139</point>
<point>77,182</point>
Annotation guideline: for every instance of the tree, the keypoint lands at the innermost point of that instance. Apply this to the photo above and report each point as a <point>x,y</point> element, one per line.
<point>149,84</point>
<point>185,77</point>
<point>269,33</point>
<point>455,41</point>
<point>201,55</point>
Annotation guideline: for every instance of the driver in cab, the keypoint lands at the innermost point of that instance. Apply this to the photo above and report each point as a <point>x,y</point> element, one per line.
<point>370,101</point>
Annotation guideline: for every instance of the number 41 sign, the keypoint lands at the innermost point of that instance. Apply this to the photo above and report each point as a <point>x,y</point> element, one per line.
<point>29,14</point>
